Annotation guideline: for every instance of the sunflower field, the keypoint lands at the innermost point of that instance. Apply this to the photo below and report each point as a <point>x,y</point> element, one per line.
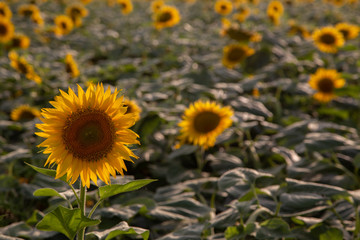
<point>179,119</point>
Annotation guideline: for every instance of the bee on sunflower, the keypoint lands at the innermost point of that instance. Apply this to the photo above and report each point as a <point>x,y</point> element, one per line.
<point>126,6</point>
<point>24,113</point>
<point>234,54</point>
<point>166,16</point>
<point>223,7</point>
<point>328,39</point>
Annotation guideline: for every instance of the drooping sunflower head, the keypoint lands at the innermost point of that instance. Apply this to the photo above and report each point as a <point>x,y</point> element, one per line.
<point>19,63</point>
<point>325,81</point>
<point>27,10</point>
<point>202,122</point>
<point>132,107</point>
<point>5,10</point>
<point>328,39</point>
<point>76,12</point>
<point>87,134</point>
<point>126,6</point>
<point>6,30</point>
<point>71,66</point>
<point>156,5</point>
<point>349,31</point>
<point>166,16</point>
<point>223,7</point>
<point>24,113</point>
<point>275,8</point>
<point>20,41</point>
<point>63,25</point>
<point>235,53</point>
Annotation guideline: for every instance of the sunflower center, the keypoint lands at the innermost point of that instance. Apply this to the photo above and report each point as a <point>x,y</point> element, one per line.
<point>75,12</point>
<point>63,25</point>
<point>236,55</point>
<point>327,38</point>
<point>68,68</point>
<point>326,85</point>
<point>27,12</point>
<point>16,42</point>
<point>89,134</point>
<point>164,17</point>
<point>2,12</point>
<point>205,122</point>
<point>123,5</point>
<point>345,33</point>
<point>223,7</point>
<point>23,68</point>
<point>3,29</point>
<point>26,115</point>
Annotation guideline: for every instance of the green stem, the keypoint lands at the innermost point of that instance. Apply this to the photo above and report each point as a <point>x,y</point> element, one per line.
<point>357,223</point>
<point>94,208</point>
<point>81,233</point>
<point>74,191</point>
<point>200,159</point>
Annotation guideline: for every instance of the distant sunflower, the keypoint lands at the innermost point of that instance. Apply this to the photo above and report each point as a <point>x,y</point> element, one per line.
<point>166,16</point>
<point>5,11</point>
<point>275,8</point>
<point>325,81</point>
<point>71,66</point>
<point>63,25</point>
<point>156,5</point>
<point>20,41</point>
<point>233,54</point>
<point>76,12</point>
<point>24,113</point>
<point>239,34</point>
<point>37,18</point>
<point>126,6</point>
<point>242,14</point>
<point>349,31</point>
<point>6,30</point>
<point>132,107</point>
<point>328,39</point>
<point>298,29</point>
<point>202,122</point>
<point>223,7</point>
<point>87,134</point>
<point>27,10</point>
<point>22,66</point>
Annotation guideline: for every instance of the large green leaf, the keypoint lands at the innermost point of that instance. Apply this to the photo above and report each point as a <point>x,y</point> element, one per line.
<point>332,234</point>
<point>46,171</point>
<point>66,221</point>
<point>273,228</point>
<point>48,192</point>
<point>114,189</point>
<point>120,229</point>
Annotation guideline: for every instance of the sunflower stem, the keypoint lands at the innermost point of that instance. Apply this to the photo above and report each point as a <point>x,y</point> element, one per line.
<point>76,195</point>
<point>94,208</point>
<point>81,233</point>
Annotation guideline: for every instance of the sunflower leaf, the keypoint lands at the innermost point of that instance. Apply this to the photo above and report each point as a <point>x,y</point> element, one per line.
<point>112,190</point>
<point>48,192</point>
<point>66,221</point>
<point>46,171</point>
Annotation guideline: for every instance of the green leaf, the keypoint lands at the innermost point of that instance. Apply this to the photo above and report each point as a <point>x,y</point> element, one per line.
<point>48,192</point>
<point>112,190</point>
<point>46,171</point>
<point>331,234</point>
<point>273,228</point>
<point>120,229</point>
<point>66,221</point>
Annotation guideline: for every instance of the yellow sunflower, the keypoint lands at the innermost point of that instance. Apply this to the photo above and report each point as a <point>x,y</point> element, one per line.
<point>132,107</point>
<point>202,122</point>
<point>325,81</point>
<point>20,41</point>
<point>5,10</point>
<point>235,53</point>
<point>275,8</point>
<point>71,66</point>
<point>24,113</point>
<point>166,16</point>
<point>6,30</point>
<point>63,25</point>
<point>223,7</point>
<point>156,5</point>
<point>126,6</point>
<point>242,14</point>
<point>22,66</point>
<point>76,12</point>
<point>87,135</point>
<point>37,18</point>
<point>328,39</point>
<point>349,31</point>
<point>27,10</point>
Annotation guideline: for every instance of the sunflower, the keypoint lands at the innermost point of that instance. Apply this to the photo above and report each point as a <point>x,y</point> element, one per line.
<point>275,8</point>
<point>5,10</point>
<point>22,66</point>
<point>202,122</point>
<point>241,14</point>
<point>239,34</point>
<point>71,66</point>
<point>223,7</point>
<point>328,39</point>
<point>76,12</point>
<point>6,30</point>
<point>20,41</point>
<point>349,31</point>
<point>37,18</point>
<point>24,113</point>
<point>297,29</point>
<point>325,81</point>
<point>87,134</point>
<point>132,107</point>
<point>166,16</point>
<point>126,6</point>
<point>63,25</point>
<point>156,5</point>
<point>235,53</point>
<point>27,10</point>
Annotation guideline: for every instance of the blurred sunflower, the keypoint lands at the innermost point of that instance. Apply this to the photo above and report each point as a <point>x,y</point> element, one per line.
<point>235,32</point>
<point>126,6</point>
<point>24,113</point>
<point>275,8</point>
<point>5,11</point>
<point>235,53</point>
<point>223,7</point>
<point>27,10</point>
<point>6,30</point>
<point>22,66</point>
<point>19,41</point>
<point>132,107</point>
<point>76,12</point>
<point>242,14</point>
<point>254,2</point>
<point>325,81</point>
<point>166,16</point>
<point>156,5</point>
<point>87,134</point>
<point>296,29</point>
<point>85,1</point>
<point>63,25</point>
<point>328,39</point>
<point>37,18</point>
<point>202,122</point>
<point>349,31</point>
<point>71,66</point>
